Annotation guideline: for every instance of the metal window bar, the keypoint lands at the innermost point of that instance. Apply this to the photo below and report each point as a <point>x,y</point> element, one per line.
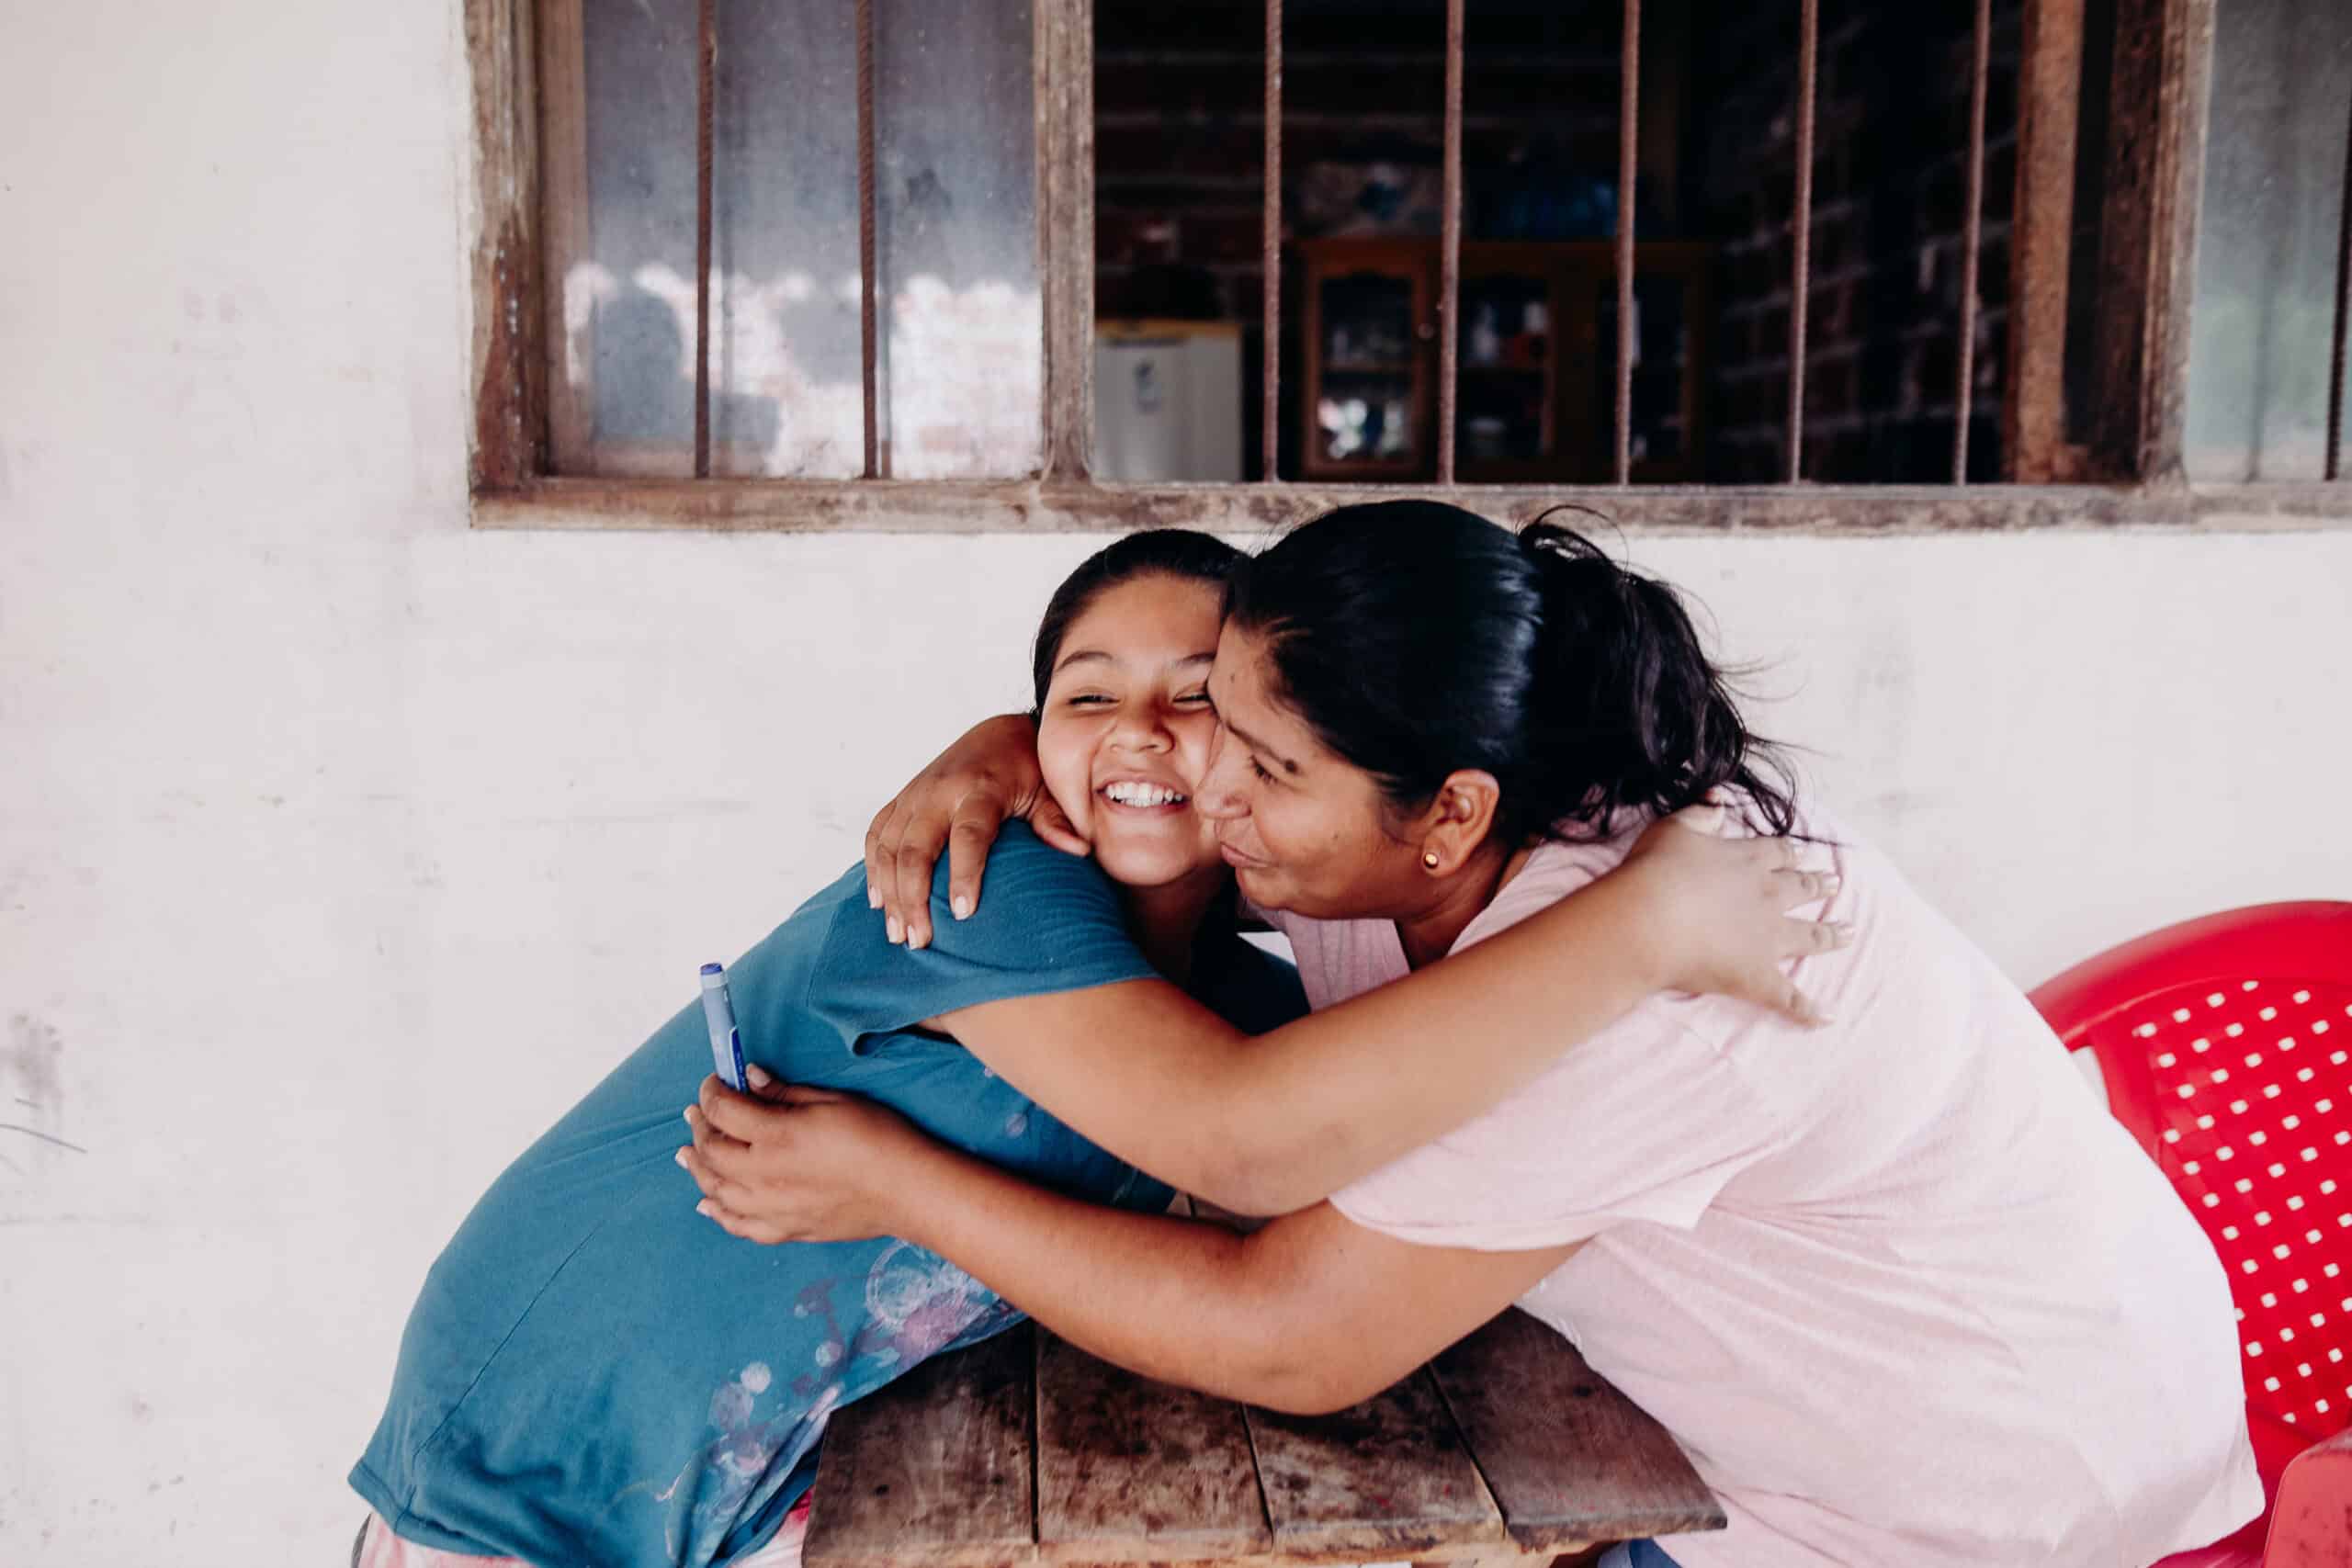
<point>1449,255</point>
<point>1270,418</point>
<point>2343,307</point>
<point>1629,92</point>
<point>867,304</point>
<point>1801,288</point>
<point>1972,242</point>
<point>706,117</point>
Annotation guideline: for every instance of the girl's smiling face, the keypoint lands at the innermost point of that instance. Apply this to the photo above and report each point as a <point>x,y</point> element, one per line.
<point>1126,730</point>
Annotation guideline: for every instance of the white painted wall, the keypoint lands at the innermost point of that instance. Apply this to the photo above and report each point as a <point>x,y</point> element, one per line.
<point>340,846</point>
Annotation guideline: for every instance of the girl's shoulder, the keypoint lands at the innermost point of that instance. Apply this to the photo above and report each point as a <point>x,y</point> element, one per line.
<point>1047,922</point>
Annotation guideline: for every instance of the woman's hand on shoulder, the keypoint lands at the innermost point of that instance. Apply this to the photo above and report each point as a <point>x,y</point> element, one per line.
<point>958,803</point>
<point>789,1162</point>
<point>1721,919</point>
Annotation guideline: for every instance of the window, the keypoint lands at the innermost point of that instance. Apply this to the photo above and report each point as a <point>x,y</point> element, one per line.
<point>1018,263</point>
<point>955,251</point>
<point>2265,350</point>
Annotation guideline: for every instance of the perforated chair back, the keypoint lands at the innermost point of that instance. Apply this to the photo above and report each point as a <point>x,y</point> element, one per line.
<point>2226,1046</point>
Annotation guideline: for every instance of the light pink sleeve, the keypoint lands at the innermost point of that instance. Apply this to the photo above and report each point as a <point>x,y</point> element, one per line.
<point>1646,1121</point>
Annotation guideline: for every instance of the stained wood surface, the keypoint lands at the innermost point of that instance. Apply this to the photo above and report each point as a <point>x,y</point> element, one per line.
<point>1568,1458</point>
<point>1388,1478</point>
<point>935,1469</point>
<point>1024,506</point>
<point>1134,1469</point>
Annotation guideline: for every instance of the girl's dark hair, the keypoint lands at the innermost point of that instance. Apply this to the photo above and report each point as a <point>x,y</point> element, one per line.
<point>1155,552</point>
<point>1415,638</point>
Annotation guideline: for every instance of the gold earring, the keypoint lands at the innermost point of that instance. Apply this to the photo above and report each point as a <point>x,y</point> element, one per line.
<point>1429,858</point>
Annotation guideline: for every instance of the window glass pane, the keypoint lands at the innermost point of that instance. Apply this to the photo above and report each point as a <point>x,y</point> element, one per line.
<point>959,361</point>
<point>2265,305</point>
<point>955,158</point>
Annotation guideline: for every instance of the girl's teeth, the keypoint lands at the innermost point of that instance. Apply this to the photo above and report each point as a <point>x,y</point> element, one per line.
<point>1142,795</point>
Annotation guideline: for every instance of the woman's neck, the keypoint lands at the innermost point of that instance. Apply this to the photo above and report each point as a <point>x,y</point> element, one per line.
<point>1167,918</point>
<point>1429,934</point>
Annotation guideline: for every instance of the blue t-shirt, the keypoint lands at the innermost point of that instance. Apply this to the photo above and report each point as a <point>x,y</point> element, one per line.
<point>594,1374</point>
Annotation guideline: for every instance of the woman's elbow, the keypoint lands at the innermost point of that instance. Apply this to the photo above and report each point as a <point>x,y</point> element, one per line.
<point>1261,1172</point>
<point>1235,1186</point>
<point>1308,1371</point>
<point>1320,1386</point>
<point>1230,1175</point>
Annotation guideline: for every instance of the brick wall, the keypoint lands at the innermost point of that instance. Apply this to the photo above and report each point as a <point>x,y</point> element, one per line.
<point>1889,189</point>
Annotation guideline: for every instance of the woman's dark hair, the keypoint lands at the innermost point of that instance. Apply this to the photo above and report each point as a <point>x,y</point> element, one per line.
<point>1415,638</point>
<point>1155,552</point>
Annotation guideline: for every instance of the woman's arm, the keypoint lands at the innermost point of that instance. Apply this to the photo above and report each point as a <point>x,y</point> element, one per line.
<point>1271,1124</point>
<point>1311,1313</point>
<point>1274,1124</point>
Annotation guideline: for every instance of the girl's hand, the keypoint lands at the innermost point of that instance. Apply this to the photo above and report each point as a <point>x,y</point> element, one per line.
<point>958,802</point>
<point>788,1163</point>
<point>1721,908</point>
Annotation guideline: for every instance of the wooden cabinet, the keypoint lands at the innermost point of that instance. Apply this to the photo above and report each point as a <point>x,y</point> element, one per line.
<point>1537,362</point>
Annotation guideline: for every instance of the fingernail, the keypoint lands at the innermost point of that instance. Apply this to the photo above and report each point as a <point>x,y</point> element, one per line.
<point>757,1076</point>
<point>873,899</point>
<point>893,930</point>
<point>1831,882</point>
<point>962,905</point>
<point>918,936</point>
<point>702,1207</point>
<point>688,1114</point>
<point>681,1157</point>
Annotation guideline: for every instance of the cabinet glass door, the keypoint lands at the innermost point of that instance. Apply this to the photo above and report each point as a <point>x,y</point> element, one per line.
<point>1506,419</point>
<point>1367,391</point>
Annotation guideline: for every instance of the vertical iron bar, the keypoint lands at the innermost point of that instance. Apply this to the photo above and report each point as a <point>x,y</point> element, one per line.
<point>1269,419</point>
<point>706,117</point>
<point>1449,261</point>
<point>1972,242</point>
<point>1629,95</point>
<point>2343,307</point>
<point>866,271</point>
<point>1808,48</point>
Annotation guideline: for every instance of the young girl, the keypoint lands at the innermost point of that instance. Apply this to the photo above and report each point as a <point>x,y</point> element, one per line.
<point>591,1375</point>
<point>1904,1291</point>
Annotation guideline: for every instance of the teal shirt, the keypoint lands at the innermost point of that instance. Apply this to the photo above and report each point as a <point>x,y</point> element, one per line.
<point>595,1375</point>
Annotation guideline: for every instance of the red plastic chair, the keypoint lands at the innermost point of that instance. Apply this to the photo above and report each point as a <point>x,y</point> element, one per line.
<point>2225,1044</point>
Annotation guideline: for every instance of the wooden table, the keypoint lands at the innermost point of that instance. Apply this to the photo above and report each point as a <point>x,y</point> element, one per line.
<point>1026,1451</point>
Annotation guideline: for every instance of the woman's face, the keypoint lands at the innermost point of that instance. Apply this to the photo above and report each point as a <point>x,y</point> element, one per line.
<point>1304,829</point>
<point>1126,727</point>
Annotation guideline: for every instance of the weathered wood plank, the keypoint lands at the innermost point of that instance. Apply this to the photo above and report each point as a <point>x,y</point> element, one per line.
<point>1130,1470</point>
<point>984,506</point>
<point>1568,1457</point>
<point>933,1472</point>
<point>1388,1478</point>
<point>508,445</point>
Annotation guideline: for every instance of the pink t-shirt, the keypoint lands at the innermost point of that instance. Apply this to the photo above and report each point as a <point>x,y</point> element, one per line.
<point>1905,1292</point>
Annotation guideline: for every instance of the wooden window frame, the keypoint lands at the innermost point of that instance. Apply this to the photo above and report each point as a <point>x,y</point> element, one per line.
<point>2129,473</point>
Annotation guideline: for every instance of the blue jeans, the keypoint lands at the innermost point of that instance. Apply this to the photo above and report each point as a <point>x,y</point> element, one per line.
<point>1635,1554</point>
